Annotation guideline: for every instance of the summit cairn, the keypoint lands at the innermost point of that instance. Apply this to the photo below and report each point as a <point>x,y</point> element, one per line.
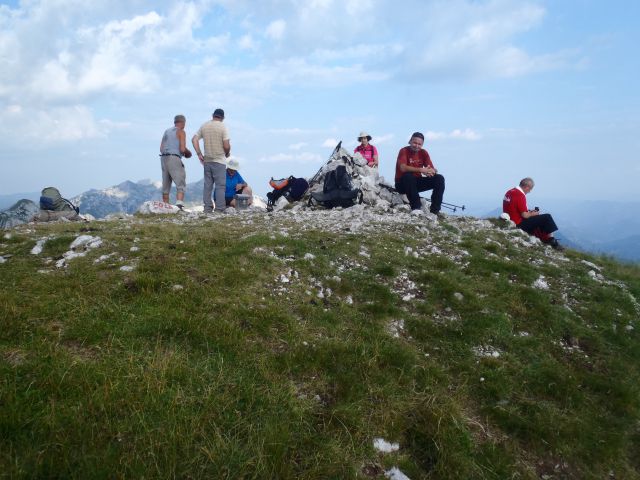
<point>376,191</point>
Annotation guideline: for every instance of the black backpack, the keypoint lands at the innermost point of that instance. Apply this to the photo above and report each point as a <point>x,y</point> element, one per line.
<point>50,199</point>
<point>292,188</point>
<point>337,190</point>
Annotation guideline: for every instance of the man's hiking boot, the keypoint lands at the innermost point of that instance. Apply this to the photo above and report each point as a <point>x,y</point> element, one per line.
<point>553,243</point>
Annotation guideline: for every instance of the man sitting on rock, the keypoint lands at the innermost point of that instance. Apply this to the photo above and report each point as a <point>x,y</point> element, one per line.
<point>415,173</point>
<point>235,184</point>
<point>533,222</point>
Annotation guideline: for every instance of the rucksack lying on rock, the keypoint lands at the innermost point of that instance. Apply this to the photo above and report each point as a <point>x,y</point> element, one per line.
<point>337,190</point>
<point>292,188</point>
<point>54,207</point>
<point>50,199</point>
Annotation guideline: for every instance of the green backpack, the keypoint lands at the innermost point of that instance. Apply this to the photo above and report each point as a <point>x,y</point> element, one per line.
<point>50,199</point>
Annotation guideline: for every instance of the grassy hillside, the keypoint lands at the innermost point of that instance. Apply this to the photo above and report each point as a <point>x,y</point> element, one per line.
<point>283,345</point>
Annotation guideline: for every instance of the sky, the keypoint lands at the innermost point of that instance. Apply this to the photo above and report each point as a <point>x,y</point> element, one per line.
<point>501,89</point>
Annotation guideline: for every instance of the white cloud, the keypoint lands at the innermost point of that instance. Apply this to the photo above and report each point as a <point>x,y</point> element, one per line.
<point>275,30</point>
<point>304,157</point>
<point>383,139</point>
<point>466,134</point>
<point>298,146</point>
<point>330,143</point>
<point>246,42</point>
<point>54,125</point>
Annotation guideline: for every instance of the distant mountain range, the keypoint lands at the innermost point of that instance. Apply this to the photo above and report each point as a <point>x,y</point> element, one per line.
<point>593,226</point>
<point>128,196</point>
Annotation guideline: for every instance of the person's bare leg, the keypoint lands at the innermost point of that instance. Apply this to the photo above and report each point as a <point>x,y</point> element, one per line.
<point>247,191</point>
<point>165,197</point>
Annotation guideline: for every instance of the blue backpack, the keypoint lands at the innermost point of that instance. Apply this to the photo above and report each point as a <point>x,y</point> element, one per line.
<point>292,188</point>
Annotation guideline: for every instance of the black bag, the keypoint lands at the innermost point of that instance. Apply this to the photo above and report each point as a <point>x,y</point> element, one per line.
<point>50,199</point>
<point>337,190</point>
<point>292,188</point>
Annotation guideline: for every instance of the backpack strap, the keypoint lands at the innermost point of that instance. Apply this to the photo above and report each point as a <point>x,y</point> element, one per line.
<point>68,202</point>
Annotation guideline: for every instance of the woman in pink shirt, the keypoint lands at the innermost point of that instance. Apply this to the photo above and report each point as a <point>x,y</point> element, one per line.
<point>368,151</point>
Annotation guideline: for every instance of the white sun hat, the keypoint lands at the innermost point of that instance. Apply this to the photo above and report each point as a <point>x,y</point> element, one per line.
<point>233,163</point>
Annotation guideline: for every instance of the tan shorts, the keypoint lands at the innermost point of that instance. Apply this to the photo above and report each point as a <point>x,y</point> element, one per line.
<point>172,170</point>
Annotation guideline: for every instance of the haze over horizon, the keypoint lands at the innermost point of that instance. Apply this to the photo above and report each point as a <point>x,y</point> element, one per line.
<point>502,89</point>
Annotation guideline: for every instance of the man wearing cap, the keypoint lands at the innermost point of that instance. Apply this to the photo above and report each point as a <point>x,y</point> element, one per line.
<point>415,173</point>
<point>216,150</point>
<point>533,222</point>
<point>172,148</point>
<point>368,151</point>
<point>235,184</point>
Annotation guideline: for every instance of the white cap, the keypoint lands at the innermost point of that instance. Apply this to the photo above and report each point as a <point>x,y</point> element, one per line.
<point>233,163</point>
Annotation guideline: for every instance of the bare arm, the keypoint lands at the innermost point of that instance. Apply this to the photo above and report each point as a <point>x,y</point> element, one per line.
<point>196,146</point>
<point>226,145</point>
<point>182,140</point>
<point>428,171</point>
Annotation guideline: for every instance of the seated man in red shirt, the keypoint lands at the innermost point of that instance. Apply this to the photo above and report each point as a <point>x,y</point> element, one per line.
<point>533,222</point>
<point>415,173</point>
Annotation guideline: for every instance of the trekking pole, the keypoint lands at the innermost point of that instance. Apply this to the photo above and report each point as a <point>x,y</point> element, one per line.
<point>453,207</point>
<point>449,206</point>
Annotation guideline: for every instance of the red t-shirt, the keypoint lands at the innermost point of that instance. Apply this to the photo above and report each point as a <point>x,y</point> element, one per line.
<point>419,159</point>
<point>514,203</point>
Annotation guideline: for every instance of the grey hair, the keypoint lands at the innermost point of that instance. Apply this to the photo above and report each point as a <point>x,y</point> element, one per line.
<point>527,182</point>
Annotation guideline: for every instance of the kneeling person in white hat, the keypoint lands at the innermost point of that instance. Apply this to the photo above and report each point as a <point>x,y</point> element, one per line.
<point>235,184</point>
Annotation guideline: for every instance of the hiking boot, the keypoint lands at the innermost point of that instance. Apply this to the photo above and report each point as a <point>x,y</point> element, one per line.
<point>553,243</point>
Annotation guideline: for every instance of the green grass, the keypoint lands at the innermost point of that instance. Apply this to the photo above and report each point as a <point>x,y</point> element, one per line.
<point>203,363</point>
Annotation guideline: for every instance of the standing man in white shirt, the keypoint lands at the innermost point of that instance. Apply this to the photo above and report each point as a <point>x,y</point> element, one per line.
<point>216,150</point>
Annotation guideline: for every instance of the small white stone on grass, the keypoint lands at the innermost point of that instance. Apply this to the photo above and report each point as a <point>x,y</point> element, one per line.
<point>87,241</point>
<point>349,300</point>
<point>37,249</point>
<point>541,283</point>
<point>383,446</point>
<point>309,256</point>
<point>134,249</point>
<point>458,296</point>
<point>395,474</point>
<point>2,259</point>
<point>127,268</point>
<point>177,287</point>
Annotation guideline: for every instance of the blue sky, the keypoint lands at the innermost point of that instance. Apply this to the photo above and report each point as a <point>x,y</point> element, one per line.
<point>502,89</point>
